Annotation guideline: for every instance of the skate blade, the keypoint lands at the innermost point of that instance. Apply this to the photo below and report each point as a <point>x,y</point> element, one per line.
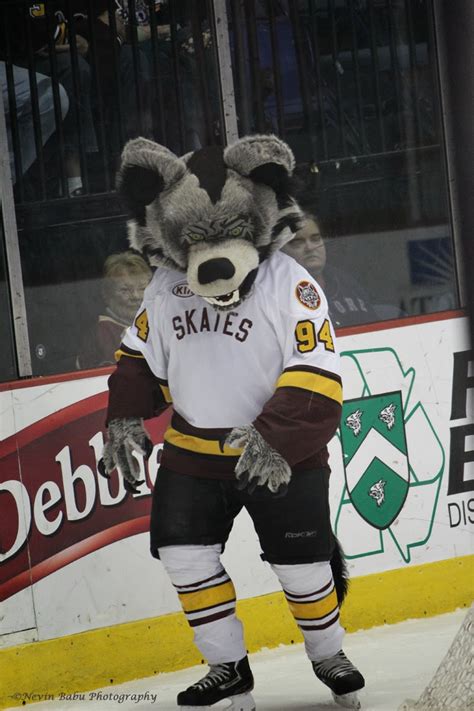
<point>348,701</point>
<point>239,702</point>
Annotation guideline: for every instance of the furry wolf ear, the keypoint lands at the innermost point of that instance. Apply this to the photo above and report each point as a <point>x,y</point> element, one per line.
<point>146,169</point>
<point>262,158</point>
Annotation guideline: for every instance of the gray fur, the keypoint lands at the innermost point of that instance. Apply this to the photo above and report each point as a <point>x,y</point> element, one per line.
<point>125,436</point>
<point>265,466</point>
<point>251,152</point>
<point>164,232</point>
<point>148,154</point>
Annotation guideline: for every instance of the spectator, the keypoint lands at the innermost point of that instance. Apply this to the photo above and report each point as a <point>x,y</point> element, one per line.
<point>24,112</point>
<point>184,69</point>
<point>349,303</point>
<point>28,30</point>
<point>141,20</point>
<point>114,63</point>
<point>78,88</point>
<point>125,277</point>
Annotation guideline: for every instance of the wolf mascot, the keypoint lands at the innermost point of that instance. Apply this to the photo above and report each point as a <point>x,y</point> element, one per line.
<point>237,336</point>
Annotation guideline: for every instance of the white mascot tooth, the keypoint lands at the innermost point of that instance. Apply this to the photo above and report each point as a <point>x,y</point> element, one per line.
<point>237,336</point>
<point>233,299</point>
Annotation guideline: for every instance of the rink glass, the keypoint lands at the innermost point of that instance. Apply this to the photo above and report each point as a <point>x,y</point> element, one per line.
<point>352,87</point>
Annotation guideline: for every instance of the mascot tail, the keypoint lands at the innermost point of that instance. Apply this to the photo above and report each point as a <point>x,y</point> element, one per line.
<point>339,572</point>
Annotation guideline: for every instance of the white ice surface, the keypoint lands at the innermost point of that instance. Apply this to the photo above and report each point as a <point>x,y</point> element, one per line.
<point>397,661</point>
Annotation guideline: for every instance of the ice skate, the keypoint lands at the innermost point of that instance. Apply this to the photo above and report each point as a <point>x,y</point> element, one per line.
<point>232,681</point>
<point>341,676</point>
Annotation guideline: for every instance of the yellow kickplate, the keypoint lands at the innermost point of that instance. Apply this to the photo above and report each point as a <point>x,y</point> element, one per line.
<point>89,660</point>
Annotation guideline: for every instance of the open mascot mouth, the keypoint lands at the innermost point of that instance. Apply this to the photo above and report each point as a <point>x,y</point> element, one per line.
<point>225,300</point>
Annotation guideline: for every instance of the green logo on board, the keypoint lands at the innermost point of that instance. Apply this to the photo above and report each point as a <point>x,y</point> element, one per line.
<point>391,455</point>
<point>375,457</point>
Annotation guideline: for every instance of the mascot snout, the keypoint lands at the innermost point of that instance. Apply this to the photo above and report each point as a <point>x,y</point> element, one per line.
<point>220,272</point>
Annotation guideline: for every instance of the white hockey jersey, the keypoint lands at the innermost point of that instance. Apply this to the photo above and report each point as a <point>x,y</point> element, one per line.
<point>272,361</point>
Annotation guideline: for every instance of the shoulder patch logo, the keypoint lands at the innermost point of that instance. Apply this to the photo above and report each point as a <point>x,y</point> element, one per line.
<point>307,294</point>
<point>182,290</point>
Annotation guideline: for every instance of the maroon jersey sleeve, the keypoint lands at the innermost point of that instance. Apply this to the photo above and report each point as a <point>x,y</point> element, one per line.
<point>134,391</point>
<point>299,423</point>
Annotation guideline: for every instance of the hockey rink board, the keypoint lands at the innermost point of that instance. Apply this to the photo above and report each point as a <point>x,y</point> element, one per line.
<point>74,546</point>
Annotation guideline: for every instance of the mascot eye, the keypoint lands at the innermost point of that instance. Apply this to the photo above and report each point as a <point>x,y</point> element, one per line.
<point>195,237</point>
<point>236,231</point>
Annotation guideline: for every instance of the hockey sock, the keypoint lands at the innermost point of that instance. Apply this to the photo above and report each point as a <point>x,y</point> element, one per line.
<point>207,596</point>
<point>309,590</point>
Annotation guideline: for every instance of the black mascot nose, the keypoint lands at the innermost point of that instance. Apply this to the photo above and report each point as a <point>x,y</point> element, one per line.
<point>214,269</point>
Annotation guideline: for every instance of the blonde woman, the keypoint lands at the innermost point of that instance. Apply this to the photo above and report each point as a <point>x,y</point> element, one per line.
<point>126,275</point>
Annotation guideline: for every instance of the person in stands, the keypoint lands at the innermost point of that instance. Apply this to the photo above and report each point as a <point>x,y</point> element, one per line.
<point>349,303</point>
<point>32,40</point>
<point>24,113</point>
<point>126,275</point>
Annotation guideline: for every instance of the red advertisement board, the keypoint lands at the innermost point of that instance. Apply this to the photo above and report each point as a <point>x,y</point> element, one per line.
<point>55,506</point>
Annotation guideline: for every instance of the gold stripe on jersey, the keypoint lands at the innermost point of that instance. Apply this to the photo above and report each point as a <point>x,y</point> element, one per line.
<point>166,393</point>
<point>207,598</point>
<point>129,354</point>
<point>199,445</point>
<point>314,610</point>
<point>314,382</point>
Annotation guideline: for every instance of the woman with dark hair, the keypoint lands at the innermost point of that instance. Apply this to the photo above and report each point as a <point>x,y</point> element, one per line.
<point>349,303</point>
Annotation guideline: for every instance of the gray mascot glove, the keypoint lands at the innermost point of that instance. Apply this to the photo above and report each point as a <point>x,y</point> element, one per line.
<point>125,436</point>
<point>259,464</point>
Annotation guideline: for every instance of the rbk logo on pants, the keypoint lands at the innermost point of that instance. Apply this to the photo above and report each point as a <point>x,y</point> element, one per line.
<point>375,456</point>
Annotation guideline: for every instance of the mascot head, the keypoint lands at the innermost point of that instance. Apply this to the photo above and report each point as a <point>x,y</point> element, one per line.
<point>214,214</point>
